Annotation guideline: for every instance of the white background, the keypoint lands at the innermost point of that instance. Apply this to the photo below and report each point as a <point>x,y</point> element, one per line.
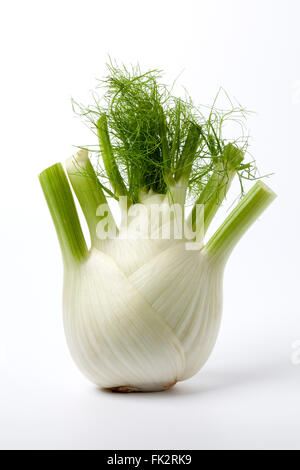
<point>248,394</point>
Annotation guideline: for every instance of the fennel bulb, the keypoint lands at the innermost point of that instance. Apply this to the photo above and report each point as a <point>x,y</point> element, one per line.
<point>141,311</point>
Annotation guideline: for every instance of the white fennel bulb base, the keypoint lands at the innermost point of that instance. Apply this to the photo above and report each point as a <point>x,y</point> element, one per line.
<point>140,316</point>
<point>147,331</point>
<point>115,336</point>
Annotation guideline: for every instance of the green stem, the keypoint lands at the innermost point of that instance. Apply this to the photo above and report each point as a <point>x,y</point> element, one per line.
<point>109,161</point>
<point>240,219</point>
<point>63,211</point>
<point>165,149</point>
<point>88,191</point>
<point>187,156</point>
<point>176,193</point>
<point>176,138</point>
<point>212,196</point>
<point>178,187</point>
<point>217,186</point>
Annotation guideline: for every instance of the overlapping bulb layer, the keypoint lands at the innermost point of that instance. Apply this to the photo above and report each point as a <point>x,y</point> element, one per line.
<point>141,312</point>
<point>147,330</point>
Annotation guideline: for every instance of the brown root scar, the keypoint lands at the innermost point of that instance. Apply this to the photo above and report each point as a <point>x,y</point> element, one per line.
<point>131,389</point>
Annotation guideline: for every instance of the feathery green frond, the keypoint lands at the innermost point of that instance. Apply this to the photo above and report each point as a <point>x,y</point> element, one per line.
<point>153,140</point>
